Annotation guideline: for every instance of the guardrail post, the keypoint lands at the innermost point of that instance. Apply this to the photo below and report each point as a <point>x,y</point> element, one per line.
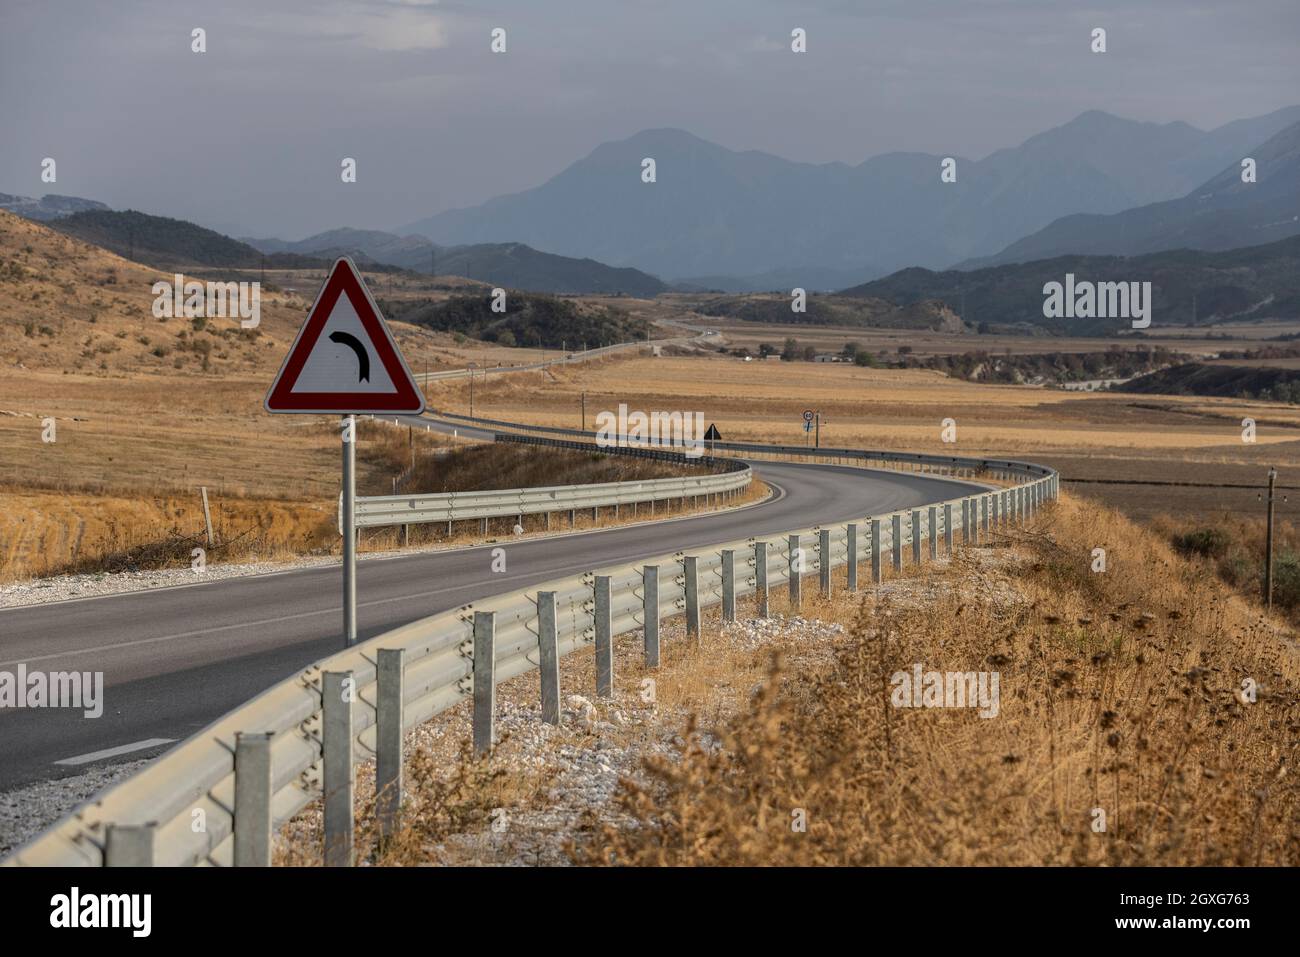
<point>896,542</point>
<point>933,537</point>
<point>484,527</point>
<point>851,535</point>
<point>253,799</point>
<point>728,585</point>
<point>485,681</point>
<point>129,845</point>
<point>548,657</point>
<point>916,536</point>
<point>760,578</point>
<point>984,505</point>
<point>604,639</point>
<point>965,521</point>
<point>690,572</point>
<point>573,515</point>
<point>794,561</point>
<point>876,573</point>
<point>388,740</point>
<point>824,561</point>
<point>337,690</point>
<point>947,527</point>
<point>650,615</point>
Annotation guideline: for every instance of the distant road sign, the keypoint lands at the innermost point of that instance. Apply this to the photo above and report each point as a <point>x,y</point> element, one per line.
<point>713,435</point>
<point>808,415</point>
<point>807,425</point>
<point>344,360</point>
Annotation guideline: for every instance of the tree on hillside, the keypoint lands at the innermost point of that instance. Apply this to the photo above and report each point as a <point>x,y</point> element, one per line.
<point>791,350</point>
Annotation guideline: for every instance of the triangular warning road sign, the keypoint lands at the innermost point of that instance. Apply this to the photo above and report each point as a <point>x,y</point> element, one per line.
<point>344,360</point>
<point>713,435</point>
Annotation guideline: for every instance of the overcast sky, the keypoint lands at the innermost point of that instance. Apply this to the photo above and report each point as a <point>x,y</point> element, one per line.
<point>248,137</point>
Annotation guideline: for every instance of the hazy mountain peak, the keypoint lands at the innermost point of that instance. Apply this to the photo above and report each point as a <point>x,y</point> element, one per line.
<point>716,212</point>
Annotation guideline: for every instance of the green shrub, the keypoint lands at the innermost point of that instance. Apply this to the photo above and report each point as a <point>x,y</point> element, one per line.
<point>1206,542</point>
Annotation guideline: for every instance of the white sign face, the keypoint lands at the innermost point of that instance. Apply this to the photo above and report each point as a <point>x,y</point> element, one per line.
<point>344,360</point>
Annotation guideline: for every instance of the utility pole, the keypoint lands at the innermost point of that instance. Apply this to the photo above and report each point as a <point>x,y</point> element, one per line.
<point>584,411</point>
<point>818,443</point>
<point>1268,542</point>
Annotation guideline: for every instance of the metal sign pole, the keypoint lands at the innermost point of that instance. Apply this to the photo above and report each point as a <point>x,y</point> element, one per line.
<point>349,530</point>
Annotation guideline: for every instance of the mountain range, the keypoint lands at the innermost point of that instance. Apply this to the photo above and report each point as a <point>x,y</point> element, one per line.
<point>716,213</point>
<point>1223,213</point>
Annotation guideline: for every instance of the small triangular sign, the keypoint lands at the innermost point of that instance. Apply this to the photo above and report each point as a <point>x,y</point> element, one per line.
<point>713,435</point>
<point>344,360</point>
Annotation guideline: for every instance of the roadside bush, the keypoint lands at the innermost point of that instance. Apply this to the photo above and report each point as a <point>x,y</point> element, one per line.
<point>1206,542</point>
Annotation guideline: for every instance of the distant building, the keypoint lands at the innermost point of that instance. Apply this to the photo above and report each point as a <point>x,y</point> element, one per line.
<point>828,357</point>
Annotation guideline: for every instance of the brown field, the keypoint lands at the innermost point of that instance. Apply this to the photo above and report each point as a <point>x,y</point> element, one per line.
<point>135,428</point>
<point>1121,695</point>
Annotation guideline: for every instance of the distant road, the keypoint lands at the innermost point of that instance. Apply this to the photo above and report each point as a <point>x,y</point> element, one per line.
<point>566,358</point>
<point>174,659</point>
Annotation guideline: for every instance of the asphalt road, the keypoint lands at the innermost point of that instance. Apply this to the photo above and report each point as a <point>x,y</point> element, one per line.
<point>174,659</point>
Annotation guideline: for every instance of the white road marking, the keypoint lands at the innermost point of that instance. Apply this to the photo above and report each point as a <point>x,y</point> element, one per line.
<point>114,752</point>
<point>337,609</point>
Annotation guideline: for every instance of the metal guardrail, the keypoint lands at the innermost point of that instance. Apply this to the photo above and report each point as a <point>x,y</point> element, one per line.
<point>383,510</point>
<point>218,797</point>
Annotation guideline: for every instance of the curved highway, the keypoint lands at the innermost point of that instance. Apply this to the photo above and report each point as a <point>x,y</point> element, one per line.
<point>174,659</point>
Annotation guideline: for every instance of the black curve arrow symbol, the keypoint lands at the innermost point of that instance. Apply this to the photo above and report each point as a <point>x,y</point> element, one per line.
<point>353,343</point>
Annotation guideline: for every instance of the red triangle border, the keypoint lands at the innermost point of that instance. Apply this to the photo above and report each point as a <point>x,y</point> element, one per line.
<point>408,399</point>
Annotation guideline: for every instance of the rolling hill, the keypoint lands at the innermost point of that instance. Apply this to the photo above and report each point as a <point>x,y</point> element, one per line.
<point>1196,378</point>
<point>167,243</point>
<point>48,207</point>
<point>512,265</point>
<point>529,320</point>
<point>835,311</point>
<point>1187,286</point>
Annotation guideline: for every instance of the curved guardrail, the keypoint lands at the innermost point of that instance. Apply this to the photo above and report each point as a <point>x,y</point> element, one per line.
<point>217,797</point>
<point>383,510</point>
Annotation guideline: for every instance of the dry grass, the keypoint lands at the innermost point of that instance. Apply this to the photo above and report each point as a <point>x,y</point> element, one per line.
<point>1119,691</point>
